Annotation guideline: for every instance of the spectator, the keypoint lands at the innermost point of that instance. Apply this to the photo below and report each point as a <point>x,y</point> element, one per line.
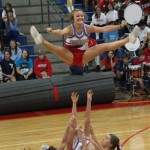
<point>148,19</point>
<point>99,20</point>
<point>12,28</point>
<point>8,68</point>
<point>24,67</point>
<point>8,8</point>
<point>144,31</point>
<point>15,50</point>
<point>122,71</point>
<point>109,62</point>
<point>112,14</point>
<point>142,59</point>
<point>91,43</point>
<point>1,50</point>
<point>42,66</point>
<point>110,37</point>
<point>103,4</point>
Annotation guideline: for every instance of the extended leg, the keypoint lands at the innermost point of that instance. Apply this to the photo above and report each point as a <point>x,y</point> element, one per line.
<point>62,52</point>
<point>96,50</point>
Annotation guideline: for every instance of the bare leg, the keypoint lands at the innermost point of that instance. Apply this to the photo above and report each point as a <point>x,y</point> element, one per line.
<point>62,52</point>
<point>96,50</point>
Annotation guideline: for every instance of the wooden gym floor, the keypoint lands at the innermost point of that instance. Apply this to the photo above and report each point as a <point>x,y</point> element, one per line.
<point>130,121</point>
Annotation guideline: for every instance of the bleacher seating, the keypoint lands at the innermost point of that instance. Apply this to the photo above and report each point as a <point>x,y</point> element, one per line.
<point>22,40</point>
<point>33,57</point>
<point>29,48</point>
<point>60,2</point>
<point>89,16</point>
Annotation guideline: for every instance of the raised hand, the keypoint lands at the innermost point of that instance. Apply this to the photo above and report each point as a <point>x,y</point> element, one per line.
<point>74,97</point>
<point>89,95</point>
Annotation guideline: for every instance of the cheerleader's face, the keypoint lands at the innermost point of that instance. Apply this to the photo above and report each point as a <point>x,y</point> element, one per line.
<point>106,142</point>
<point>78,17</point>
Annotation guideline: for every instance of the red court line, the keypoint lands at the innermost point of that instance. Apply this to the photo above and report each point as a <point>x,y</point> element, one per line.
<point>130,137</point>
<point>68,110</point>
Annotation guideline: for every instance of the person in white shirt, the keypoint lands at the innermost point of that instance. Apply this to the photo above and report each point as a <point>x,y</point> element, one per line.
<point>112,14</point>
<point>98,19</point>
<point>8,8</point>
<point>144,32</point>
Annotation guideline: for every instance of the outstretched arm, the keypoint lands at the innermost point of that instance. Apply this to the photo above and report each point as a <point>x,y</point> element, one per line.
<point>64,139</point>
<point>72,126</point>
<point>94,140</point>
<point>88,113</point>
<point>65,31</point>
<point>74,98</point>
<point>108,28</point>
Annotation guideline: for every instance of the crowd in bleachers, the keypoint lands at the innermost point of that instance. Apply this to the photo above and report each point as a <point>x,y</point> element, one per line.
<point>15,62</point>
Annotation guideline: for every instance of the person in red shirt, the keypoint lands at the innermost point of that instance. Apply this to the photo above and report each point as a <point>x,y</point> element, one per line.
<point>92,42</point>
<point>109,62</point>
<point>42,66</point>
<point>142,59</point>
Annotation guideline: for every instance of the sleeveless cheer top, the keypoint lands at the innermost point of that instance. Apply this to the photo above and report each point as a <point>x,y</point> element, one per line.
<point>76,39</point>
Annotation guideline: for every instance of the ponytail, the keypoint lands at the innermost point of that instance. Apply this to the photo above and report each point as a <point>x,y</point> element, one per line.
<point>119,147</point>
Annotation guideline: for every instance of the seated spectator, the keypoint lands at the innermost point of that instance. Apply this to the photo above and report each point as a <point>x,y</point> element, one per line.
<point>8,68</point>
<point>103,4</point>
<point>92,42</point>
<point>15,50</point>
<point>109,62</point>
<point>110,36</point>
<point>8,8</point>
<point>144,32</point>
<point>24,67</point>
<point>98,19</point>
<point>12,28</point>
<point>122,72</point>
<point>42,66</point>
<point>148,19</point>
<point>112,14</point>
<point>1,50</point>
<point>141,60</point>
